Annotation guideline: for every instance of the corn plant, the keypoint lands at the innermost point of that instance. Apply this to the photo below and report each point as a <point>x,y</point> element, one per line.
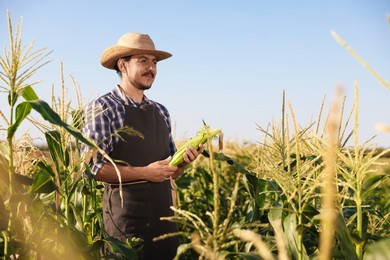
<point>316,180</point>
<point>292,164</point>
<point>15,86</point>
<point>207,209</point>
<point>357,171</point>
<point>18,65</point>
<point>290,186</point>
<point>358,179</point>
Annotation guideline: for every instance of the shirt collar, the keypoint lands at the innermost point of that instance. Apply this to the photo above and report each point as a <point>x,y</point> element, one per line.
<point>118,91</point>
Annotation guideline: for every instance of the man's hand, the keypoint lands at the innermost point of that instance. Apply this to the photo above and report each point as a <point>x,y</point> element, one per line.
<point>189,156</point>
<point>160,170</point>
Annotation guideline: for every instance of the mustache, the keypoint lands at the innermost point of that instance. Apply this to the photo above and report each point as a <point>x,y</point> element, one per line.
<point>148,73</point>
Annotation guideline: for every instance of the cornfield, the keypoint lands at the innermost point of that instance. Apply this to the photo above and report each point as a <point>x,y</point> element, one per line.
<point>300,193</point>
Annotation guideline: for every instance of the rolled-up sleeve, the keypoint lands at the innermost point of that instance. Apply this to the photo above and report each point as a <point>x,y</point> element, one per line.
<point>97,127</point>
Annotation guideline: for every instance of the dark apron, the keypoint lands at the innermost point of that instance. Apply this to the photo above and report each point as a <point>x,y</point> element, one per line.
<point>143,203</point>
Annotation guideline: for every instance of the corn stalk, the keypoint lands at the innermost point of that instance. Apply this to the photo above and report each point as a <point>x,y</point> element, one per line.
<point>358,175</point>
<point>16,58</point>
<point>328,188</point>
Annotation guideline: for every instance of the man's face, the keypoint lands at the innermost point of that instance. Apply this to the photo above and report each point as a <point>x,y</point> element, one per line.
<point>141,70</point>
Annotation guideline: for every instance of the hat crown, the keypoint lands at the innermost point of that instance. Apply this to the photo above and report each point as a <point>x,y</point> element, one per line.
<point>137,41</point>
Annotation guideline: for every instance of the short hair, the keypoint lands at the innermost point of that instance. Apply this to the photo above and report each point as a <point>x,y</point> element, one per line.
<point>118,71</point>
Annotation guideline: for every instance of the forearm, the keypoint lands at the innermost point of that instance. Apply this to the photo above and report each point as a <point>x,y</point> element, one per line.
<point>108,173</point>
<point>155,172</point>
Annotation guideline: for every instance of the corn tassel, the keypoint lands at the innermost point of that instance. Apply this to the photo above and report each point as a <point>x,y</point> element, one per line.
<point>200,138</point>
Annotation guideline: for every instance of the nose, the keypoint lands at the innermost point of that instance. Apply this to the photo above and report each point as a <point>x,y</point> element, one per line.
<point>151,66</point>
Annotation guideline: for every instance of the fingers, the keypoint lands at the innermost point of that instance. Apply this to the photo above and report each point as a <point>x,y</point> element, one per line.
<point>164,172</point>
<point>160,170</point>
<point>200,149</point>
<point>191,153</point>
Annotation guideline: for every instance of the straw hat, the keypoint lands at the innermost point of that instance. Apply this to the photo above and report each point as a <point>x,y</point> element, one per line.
<point>131,44</point>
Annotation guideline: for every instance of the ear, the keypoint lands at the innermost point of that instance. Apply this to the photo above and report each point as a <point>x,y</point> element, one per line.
<point>121,65</point>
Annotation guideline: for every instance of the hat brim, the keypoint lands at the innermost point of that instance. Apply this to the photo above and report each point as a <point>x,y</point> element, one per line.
<point>112,54</point>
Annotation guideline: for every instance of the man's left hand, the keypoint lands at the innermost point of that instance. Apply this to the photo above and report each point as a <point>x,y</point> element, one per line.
<point>189,156</point>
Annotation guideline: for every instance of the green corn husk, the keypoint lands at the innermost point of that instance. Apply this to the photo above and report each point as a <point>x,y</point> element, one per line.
<point>200,138</point>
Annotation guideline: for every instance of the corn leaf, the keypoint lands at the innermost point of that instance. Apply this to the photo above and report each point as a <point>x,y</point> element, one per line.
<point>43,182</point>
<point>29,94</point>
<point>309,211</point>
<point>291,234</point>
<point>250,183</point>
<point>53,139</point>
<point>46,167</point>
<point>184,182</point>
<point>22,111</point>
<point>371,183</point>
<point>51,116</point>
<point>345,239</point>
<point>378,250</point>
<point>122,248</point>
<point>256,188</point>
<point>275,213</point>
<point>12,98</point>
<point>96,245</point>
<point>237,166</point>
<point>79,220</point>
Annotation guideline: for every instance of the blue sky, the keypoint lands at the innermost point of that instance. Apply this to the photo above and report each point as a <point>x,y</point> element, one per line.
<point>231,59</point>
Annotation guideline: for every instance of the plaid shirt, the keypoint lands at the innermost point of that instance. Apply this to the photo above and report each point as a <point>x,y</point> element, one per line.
<point>105,115</point>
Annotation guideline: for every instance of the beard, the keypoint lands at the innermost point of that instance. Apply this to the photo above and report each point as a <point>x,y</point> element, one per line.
<point>143,86</point>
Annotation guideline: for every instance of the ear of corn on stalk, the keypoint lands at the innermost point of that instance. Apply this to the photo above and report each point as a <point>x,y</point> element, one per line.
<point>201,138</point>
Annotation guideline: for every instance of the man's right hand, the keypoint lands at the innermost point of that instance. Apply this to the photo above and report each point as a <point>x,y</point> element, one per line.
<point>159,171</point>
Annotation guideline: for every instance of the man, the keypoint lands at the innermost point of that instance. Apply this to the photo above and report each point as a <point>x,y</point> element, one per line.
<point>142,162</point>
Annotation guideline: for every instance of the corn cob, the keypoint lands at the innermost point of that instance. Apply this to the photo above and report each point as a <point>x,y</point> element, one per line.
<point>200,138</point>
